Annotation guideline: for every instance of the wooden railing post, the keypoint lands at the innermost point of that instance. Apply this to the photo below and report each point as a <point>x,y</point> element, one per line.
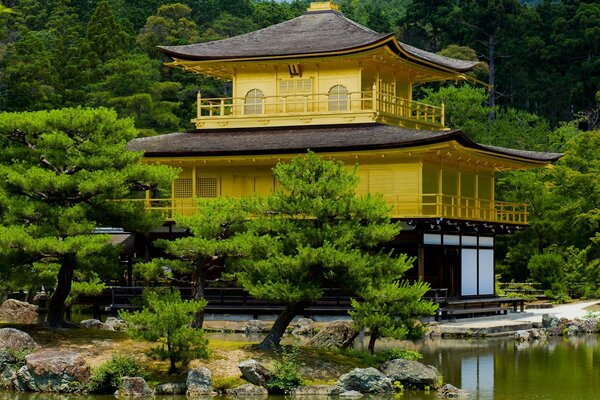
<point>443,116</point>
<point>222,109</point>
<point>375,96</point>
<point>199,111</point>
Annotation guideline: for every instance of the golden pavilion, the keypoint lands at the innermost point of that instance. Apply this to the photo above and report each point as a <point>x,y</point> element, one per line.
<point>325,83</point>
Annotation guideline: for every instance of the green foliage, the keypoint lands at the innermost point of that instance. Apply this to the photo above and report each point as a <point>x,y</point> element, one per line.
<point>72,165</point>
<point>391,308</point>
<point>92,287</point>
<point>106,379</point>
<point>548,269</point>
<point>166,319</point>
<point>286,376</point>
<point>404,354</point>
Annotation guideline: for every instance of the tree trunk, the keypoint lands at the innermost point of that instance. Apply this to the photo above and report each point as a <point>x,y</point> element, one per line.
<point>492,78</point>
<point>197,294</point>
<point>56,306</point>
<point>271,341</point>
<point>374,336</point>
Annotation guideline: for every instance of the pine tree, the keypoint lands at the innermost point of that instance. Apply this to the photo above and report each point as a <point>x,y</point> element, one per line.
<point>311,234</point>
<point>61,172</point>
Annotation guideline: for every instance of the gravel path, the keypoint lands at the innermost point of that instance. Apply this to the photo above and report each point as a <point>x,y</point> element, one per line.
<point>570,311</point>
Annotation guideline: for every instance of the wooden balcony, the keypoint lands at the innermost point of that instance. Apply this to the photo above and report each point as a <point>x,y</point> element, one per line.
<point>317,109</point>
<point>404,207</point>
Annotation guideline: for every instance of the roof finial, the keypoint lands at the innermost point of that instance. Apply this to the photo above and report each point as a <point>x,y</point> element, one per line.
<point>323,6</point>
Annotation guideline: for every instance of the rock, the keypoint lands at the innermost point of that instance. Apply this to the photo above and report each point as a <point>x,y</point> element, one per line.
<point>538,334</point>
<point>254,372</point>
<point>95,324</point>
<point>351,394</point>
<point>14,339</point>
<point>434,330</point>
<point>18,312</point>
<point>522,336</point>
<point>134,386</point>
<point>117,324</point>
<point>550,321</point>
<point>304,326</point>
<point>412,374</point>
<point>255,326</point>
<point>170,388</point>
<point>9,365</point>
<point>199,382</point>
<point>452,392</point>
<point>318,391</point>
<point>247,390</point>
<point>53,371</point>
<point>589,325</point>
<point>365,380</point>
<point>338,334</point>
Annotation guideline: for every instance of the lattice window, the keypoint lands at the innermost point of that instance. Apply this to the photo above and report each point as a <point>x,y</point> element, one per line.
<point>338,98</point>
<point>254,102</point>
<point>183,188</point>
<point>207,187</point>
<point>295,86</point>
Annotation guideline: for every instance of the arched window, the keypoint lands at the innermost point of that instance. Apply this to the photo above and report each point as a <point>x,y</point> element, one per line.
<point>338,98</point>
<point>254,102</point>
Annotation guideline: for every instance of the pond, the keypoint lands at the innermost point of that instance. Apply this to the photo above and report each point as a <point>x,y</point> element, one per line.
<point>490,369</point>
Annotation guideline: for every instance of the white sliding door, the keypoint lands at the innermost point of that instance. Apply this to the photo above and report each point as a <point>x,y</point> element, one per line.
<point>468,272</point>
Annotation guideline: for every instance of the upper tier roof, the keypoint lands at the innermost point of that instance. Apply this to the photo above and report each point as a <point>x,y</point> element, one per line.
<point>313,33</point>
<point>335,138</point>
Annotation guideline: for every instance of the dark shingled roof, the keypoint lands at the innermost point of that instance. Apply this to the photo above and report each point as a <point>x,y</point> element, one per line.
<point>290,140</point>
<point>312,33</point>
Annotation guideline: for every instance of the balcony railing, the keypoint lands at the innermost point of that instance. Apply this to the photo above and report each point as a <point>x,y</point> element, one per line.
<point>422,206</point>
<point>350,107</point>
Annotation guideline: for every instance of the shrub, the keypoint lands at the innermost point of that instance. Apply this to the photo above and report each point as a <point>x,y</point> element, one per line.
<point>287,372</point>
<point>393,354</point>
<point>167,319</point>
<point>107,377</point>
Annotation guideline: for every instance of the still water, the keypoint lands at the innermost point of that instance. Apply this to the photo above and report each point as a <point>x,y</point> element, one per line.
<point>490,369</point>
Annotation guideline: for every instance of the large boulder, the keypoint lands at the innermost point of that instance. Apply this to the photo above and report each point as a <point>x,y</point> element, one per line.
<point>14,339</point>
<point>117,324</point>
<point>412,374</point>
<point>12,342</point>
<point>170,389</point>
<point>18,312</point>
<point>452,392</point>
<point>522,336</point>
<point>255,326</point>
<point>365,380</point>
<point>95,324</point>
<point>134,386</point>
<point>304,326</point>
<point>53,371</point>
<point>255,373</point>
<point>550,321</point>
<point>247,390</point>
<point>317,391</point>
<point>338,334</point>
<point>199,382</point>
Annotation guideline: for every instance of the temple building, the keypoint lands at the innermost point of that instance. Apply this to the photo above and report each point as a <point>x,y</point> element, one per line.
<point>325,83</point>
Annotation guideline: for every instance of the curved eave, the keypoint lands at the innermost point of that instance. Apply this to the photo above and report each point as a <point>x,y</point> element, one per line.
<point>525,158</point>
<point>388,40</point>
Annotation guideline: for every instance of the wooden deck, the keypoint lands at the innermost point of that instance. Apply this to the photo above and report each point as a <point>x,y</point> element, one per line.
<point>334,302</point>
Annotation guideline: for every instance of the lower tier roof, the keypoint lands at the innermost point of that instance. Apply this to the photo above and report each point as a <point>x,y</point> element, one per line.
<point>298,139</point>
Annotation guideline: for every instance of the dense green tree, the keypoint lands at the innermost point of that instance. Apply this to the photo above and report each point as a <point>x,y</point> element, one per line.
<point>132,86</point>
<point>166,318</point>
<point>311,234</point>
<point>172,25</point>
<point>106,38</point>
<point>61,172</point>
<point>390,307</point>
<point>212,229</point>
